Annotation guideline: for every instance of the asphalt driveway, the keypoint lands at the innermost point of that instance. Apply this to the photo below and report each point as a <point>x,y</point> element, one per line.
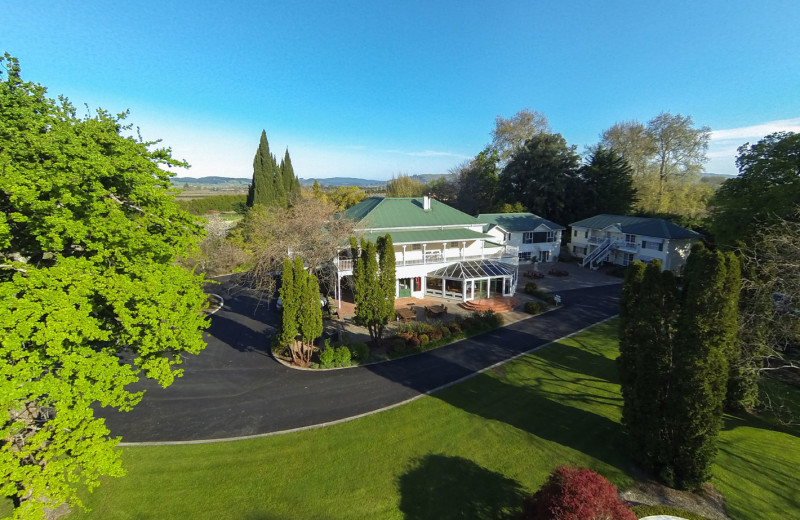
<point>235,388</point>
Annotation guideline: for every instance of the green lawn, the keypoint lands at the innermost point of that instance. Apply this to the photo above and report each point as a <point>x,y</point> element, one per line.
<point>471,451</point>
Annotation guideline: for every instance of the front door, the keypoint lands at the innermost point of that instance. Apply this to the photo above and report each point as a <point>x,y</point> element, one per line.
<point>405,288</point>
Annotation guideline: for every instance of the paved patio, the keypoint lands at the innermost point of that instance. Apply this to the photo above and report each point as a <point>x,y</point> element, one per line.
<point>578,278</point>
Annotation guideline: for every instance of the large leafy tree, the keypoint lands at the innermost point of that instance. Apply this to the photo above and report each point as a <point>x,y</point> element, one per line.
<point>510,134</point>
<point>405,186</point>
<point>766,190</point>
<point>542,176</point>
<point>89,237</point>
<point>666,157</point>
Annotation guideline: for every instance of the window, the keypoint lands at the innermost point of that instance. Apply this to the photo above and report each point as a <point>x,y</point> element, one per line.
<point>453,244</point>
<point>575,232</point>
<point>416,247</point>
<point>525,256</point>
<point>527,237</point>
<point>544,256</point>
<point>630,239</point>
<point>586,234</point>
<point>627,258</point>
<point>508,237</point>
<point>652,245</point>
<point>579,250</point>
<point>535,238</point>
<point>551,236</point>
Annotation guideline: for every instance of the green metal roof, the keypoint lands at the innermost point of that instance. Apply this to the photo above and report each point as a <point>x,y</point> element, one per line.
<point>386,213</point>
<point>420,236</point>
<point>650,227</point>
<point>515,221</point>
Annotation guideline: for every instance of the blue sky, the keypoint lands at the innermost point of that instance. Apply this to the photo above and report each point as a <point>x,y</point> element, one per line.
<point>373,89</point>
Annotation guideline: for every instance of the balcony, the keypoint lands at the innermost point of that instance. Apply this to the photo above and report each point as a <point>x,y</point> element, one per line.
<point>509,253</point>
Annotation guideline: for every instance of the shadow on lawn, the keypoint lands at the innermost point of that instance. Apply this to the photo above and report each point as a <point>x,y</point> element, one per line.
<point>440,487</point>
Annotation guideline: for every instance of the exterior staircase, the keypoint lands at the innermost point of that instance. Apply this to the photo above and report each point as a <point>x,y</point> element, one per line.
<point>600,254</point>
<point>499,304</point>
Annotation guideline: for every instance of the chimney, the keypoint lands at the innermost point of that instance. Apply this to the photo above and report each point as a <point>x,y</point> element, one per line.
<point>426,203</point>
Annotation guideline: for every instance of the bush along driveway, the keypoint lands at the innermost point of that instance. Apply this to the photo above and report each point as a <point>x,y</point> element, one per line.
<point>235,388</point>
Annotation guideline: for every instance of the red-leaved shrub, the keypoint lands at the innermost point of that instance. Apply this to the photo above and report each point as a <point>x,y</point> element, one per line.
<point>575,494</point>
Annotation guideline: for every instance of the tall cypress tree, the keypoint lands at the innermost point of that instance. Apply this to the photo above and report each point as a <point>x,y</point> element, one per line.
<point>703,348</point>
<point>290,301</point>
<point>310,315</point>
<point>387,279</point>
<point>287,173</point>
<point>262,190</point>
<point>631,324</point>
<point>373,290</point>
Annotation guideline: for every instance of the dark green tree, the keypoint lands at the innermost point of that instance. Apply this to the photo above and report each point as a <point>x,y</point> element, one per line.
<point>291,306</point>
<point>607,185</point>
<point>372,291</point>
<point>478,183</point>
<point>310,316</point>
<point>648,323</point>
<point>542,176</point>
<point>290,182</point>
<point>766,190</point>
<point>704,346</point>
<point>262,189</point>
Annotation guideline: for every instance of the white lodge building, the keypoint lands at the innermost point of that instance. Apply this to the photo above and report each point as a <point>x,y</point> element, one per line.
<point>536,238</point>
<point>621,240</point>
<point>439,250</point>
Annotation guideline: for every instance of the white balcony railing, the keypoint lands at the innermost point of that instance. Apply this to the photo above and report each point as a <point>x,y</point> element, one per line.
<point>510,253</point>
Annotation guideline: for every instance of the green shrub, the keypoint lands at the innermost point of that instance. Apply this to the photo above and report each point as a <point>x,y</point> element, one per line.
<point>546,297</point>
<point>360,351</point>
<point>454,327</point>
<point>643,511</point>
<point>414,343</point>
<point>531,288</point>
<point>327,358</point>
<point>423,328</point>
<point>534,307</point>
<point>342,357</point>
<point>445,331</point>
<point>489,318</point>
<point>468,324</point>
<point>435,334</point>
<point>424,339</point>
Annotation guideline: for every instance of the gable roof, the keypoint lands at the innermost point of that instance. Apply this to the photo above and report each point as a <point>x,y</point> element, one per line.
<point>651,227</point>
<point>515,221</point>
<point>406,212</point>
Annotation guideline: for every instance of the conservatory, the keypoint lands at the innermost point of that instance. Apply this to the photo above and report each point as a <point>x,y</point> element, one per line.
<point>472,280</point>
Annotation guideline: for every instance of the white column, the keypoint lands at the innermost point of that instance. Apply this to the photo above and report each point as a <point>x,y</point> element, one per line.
<point>424,253</point>
<point>444,251</point>
<point>339,289</point>
<point>404,254</point>
<point>463,250</point>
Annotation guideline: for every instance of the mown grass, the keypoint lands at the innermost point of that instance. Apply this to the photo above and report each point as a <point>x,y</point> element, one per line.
<point>470,451</point>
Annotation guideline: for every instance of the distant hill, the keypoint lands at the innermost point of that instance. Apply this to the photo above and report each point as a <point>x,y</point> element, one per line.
<point>342,181</point>
<point>216,182</point>
<point>238,182</point>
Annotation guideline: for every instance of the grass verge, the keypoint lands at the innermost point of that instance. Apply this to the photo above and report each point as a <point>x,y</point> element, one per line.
<point>470,451</point>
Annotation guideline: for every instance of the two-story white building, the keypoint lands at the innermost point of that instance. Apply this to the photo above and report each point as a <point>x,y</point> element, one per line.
<point>439,250</point>
<point>621,240</point>
<point>536,238</point>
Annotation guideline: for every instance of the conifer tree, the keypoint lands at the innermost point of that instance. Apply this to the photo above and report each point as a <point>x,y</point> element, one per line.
<point>703,348</point>
<point>373,296</point>
<point>310,316</point>
<point>387,280</point>
<point>631,323</point>
<point>262,189</point>
<point>291,305</point>
<point>289,179</point>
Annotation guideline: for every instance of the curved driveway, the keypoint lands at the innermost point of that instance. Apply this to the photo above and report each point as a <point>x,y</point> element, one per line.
<point>235,388</point>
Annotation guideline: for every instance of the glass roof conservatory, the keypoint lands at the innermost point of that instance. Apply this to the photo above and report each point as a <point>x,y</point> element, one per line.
<point>471,280</point>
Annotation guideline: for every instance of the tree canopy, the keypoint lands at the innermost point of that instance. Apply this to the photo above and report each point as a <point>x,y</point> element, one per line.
<point>272,185</point>
<point>541,176</point>
<point>607,184</point>
<point>405,186</point>
<point>89,237</point>
<point>510,135</point>
<point>766,190</point>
